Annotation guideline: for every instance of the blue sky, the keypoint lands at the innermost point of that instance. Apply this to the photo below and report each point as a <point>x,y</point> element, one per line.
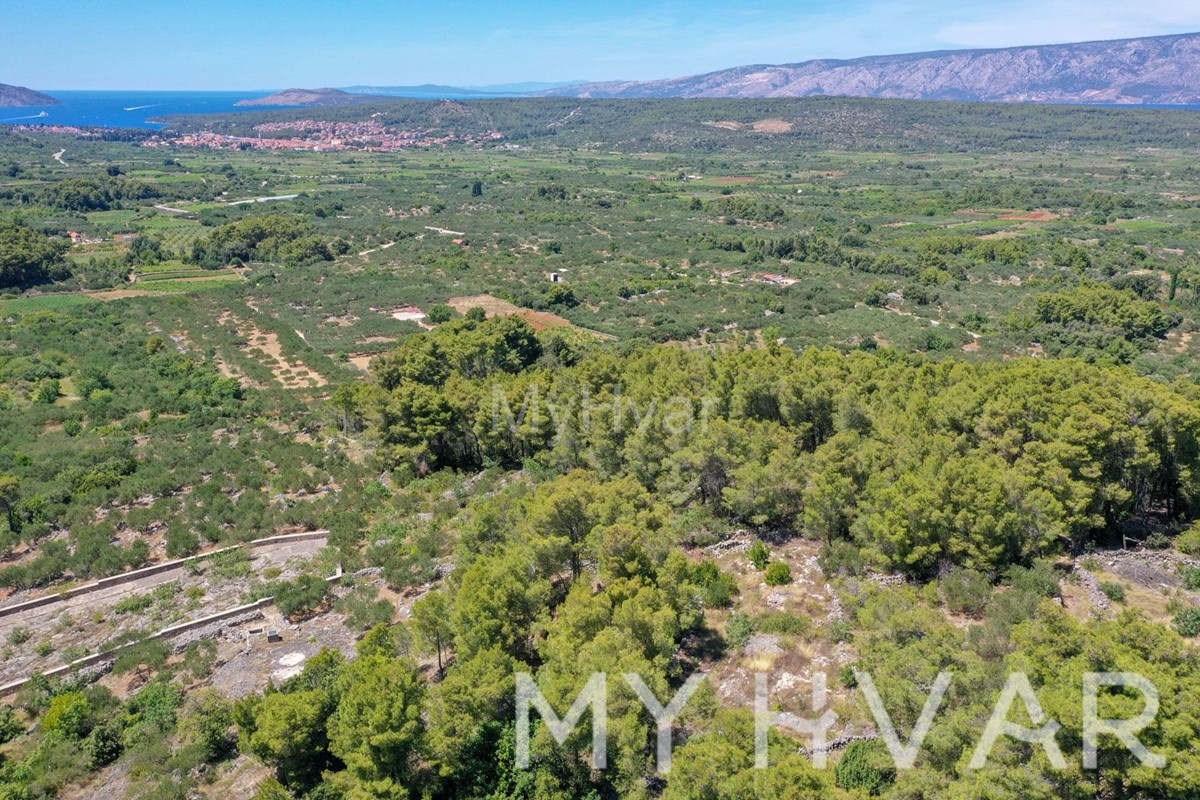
<point>270,44</point>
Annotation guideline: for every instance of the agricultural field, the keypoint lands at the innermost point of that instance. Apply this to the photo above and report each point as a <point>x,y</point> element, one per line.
<point>837,384</point>
<point>920,251</point>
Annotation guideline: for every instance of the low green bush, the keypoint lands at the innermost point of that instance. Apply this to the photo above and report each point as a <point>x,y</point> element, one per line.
<point>778,574</point>
<point>783,623</point>
<point>1188,542</point>
<point>759,555</point>
<point>1191,578</point>
<point>302,596</point>
<point>134,603</point>
<point>739,629</point>
<point>966,591</point>
<point>717,589</point>
<point>1113,591</point>
<point>865,766</point>
<point>1187,622</point>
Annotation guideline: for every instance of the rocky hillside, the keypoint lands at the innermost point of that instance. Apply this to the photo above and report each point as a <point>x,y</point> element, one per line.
<point>306,97</point>
<point>1154,70</point>
<point>11,96</point>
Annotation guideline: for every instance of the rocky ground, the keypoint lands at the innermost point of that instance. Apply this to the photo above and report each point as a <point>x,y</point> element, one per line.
<point>49,636</point>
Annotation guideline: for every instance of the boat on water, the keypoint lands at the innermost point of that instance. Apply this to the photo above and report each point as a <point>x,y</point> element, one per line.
<point>31,116</point>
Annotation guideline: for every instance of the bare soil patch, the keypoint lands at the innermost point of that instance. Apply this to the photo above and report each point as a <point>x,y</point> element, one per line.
<point>408,314</point>
<point>362,361</point>
<point>291,375</point>
<point>493,306</point>
<point>772,126</point>
<point>540,320</point>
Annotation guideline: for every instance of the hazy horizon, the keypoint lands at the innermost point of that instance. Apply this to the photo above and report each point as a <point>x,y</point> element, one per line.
<point>227,46</point>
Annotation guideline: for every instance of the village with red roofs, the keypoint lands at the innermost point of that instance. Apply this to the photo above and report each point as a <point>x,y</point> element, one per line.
<point>317,135</point>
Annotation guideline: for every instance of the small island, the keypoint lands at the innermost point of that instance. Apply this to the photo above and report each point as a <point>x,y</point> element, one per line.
<point>17,96</point>
<point>306,97</point>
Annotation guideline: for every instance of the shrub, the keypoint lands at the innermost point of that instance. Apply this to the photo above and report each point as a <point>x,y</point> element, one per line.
<point>739,629</point>
<point>152,653</point>
<point>1189,575</point>
<point>134,603</point>
<point>104,745</point>
<point>271,789</point>
<point>782,623</point>
<point>227,565</point>
<point>865,765</point>
<point>1158,541</point>
<point>440,313</point>
<point>778,574</point>
<point>966,591</point>
<point>759,555</point>
<point>1040,580</point>
<point>181,542</point>
<point>1177,601</point>
<point>302,596</point>
<point>717,589</point>
<point>10,725</point>
<point>205,722</point>
<point>1113,591</point>
<point>1187,622</point>
<point>364,609</point>
<point>841,558</point>
<point>839,632</point>
<point>1188,542</point>
<point>48,391</point>
<point>70,715</point>
<point>19,636</point>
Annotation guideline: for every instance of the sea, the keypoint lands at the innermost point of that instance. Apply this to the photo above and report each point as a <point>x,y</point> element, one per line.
<point>125,109</point>
<point>138,109</point>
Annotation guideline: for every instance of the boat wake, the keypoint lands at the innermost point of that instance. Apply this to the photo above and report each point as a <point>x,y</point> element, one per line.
<point>139,108</point>
<point>31,116</point>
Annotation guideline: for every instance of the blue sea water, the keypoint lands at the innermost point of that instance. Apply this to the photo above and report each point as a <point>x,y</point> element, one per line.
<point>135,109</point>
<point>125,109</point>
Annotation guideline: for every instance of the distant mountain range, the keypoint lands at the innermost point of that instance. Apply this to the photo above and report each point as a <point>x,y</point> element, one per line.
<point>439,91</point>
<point>1154,70</point>
<point>15,96</point>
